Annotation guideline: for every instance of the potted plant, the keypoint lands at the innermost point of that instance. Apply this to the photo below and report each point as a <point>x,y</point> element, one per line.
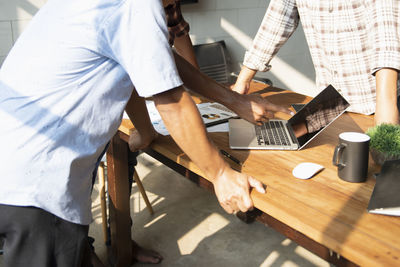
<point>384,143</point>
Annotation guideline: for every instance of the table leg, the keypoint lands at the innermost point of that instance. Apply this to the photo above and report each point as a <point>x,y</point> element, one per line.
<point>260,216</point>
<point>120,253</point>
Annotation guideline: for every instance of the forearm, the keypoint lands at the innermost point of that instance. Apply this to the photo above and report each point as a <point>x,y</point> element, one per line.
<point>279,23</point>
<point>246,75</point>
<point>186,127</point>
<point>204,85</point>
<point>138,114</point>
<point>386,96</point>
<point>184,47</point>
<point>242,84</point>
<point>252,108</point>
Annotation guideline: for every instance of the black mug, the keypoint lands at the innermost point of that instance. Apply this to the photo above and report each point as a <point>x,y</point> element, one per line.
<point>351,157</point>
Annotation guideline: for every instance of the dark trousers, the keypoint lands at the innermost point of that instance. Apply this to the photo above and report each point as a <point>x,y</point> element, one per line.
<point>132,162</point>
<point>34,237</point>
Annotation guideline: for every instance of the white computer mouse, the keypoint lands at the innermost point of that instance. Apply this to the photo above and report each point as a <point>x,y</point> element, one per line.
<point>306,170</point>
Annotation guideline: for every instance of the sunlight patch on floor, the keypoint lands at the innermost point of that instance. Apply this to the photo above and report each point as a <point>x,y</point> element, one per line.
<point>269,261</point>
<point>302,252</point>
<point>286,242</point>
<point>212,224</point>
<point>155,220</point>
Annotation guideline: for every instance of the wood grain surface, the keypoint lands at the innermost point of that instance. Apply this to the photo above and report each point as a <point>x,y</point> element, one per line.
<point>326,209</point>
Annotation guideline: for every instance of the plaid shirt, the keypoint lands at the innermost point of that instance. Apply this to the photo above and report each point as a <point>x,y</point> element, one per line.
<point>177,26</point>
<point>348,41</point>
<point>321,116</point>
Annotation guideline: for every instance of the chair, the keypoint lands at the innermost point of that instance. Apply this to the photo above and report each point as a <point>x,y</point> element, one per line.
<point>215,62</point>
<point>103,198</point>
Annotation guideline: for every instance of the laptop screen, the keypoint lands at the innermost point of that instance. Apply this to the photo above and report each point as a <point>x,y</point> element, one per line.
<point>319,113</point>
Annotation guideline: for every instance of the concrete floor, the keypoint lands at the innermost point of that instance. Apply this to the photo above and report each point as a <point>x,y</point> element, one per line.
<point>189,228</point>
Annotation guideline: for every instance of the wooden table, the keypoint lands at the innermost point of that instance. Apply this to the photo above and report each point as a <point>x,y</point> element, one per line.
<point>324,214</point>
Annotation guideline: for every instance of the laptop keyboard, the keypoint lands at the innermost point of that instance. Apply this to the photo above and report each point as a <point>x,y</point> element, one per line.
<point>271,133</point>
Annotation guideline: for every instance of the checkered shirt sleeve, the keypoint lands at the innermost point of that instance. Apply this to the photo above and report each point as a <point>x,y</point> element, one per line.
<point>386,34</point>
<point>279,23</point>
<point>321,117</point>
<point>177,26</point>
<point>349,40</point>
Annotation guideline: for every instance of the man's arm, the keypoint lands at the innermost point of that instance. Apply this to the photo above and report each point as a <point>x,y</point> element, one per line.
<point>253,108</point>
<point>279,23</point>
<point>144,132</point>
<point>384,31</point>
<point>184,47</point>
<point>178,30</point>
<point>242,84</point>
<point>386,97</point>
<point>183,121</point>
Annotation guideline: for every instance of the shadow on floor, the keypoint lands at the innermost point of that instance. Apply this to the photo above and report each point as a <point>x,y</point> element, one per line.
<point>189,228</point>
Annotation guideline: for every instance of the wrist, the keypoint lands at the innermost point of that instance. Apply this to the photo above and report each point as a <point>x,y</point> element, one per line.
<point>388,114</point>
<point>216,167</point>
<point>246,75</point>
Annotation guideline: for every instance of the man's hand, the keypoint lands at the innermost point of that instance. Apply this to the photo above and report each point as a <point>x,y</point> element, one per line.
<point>139,141</point>
<point>242,84</point>
<point>253,108</point>
<point>183,121</point>
<point>241,87</point>
<point>299,129</point>
<point>256,109</point>
<point>144,133</point>
<point>233,190</point>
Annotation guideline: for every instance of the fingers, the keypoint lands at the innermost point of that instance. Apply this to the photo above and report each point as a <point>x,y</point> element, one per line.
<point>265,117</point>
<point>237,204</point>
<point>227,207</point>
<point>269,113</point>
<point>245,204</point>
<point>138,141</point>
<point>242,202</point>
<point>240,87</point>
<point>259,109</point>
<point>278,108</point>
<point>233,191</point>
<point>132,143</point>
<point>257,185</point>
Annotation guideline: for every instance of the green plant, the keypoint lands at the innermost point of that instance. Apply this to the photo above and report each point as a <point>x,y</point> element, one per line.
<point>385,138</point>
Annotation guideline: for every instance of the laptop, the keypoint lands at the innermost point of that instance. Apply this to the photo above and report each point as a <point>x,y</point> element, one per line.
<point>294,134</point>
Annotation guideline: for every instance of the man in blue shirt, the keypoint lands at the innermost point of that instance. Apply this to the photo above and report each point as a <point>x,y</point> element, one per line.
<point>64,86</point>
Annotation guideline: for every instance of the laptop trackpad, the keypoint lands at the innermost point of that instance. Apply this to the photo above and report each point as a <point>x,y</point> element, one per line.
<point>241,134</point>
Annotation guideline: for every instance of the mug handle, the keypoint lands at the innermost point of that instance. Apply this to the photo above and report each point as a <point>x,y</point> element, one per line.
<point>337,155</point>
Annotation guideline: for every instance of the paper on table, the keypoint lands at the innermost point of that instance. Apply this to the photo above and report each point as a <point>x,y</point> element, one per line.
<point>159,126</point>
<point>214,113</point>
<point>221,128</point>
<point>155,118</point>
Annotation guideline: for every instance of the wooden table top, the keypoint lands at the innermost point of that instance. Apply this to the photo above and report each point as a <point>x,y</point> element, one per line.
<point>326,209</point>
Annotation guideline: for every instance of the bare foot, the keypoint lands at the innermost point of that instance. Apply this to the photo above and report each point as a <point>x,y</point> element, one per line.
<point>143,255</point>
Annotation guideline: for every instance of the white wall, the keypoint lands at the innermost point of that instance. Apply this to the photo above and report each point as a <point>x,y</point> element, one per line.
<point>235,21</point>
<point>14,16</point>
